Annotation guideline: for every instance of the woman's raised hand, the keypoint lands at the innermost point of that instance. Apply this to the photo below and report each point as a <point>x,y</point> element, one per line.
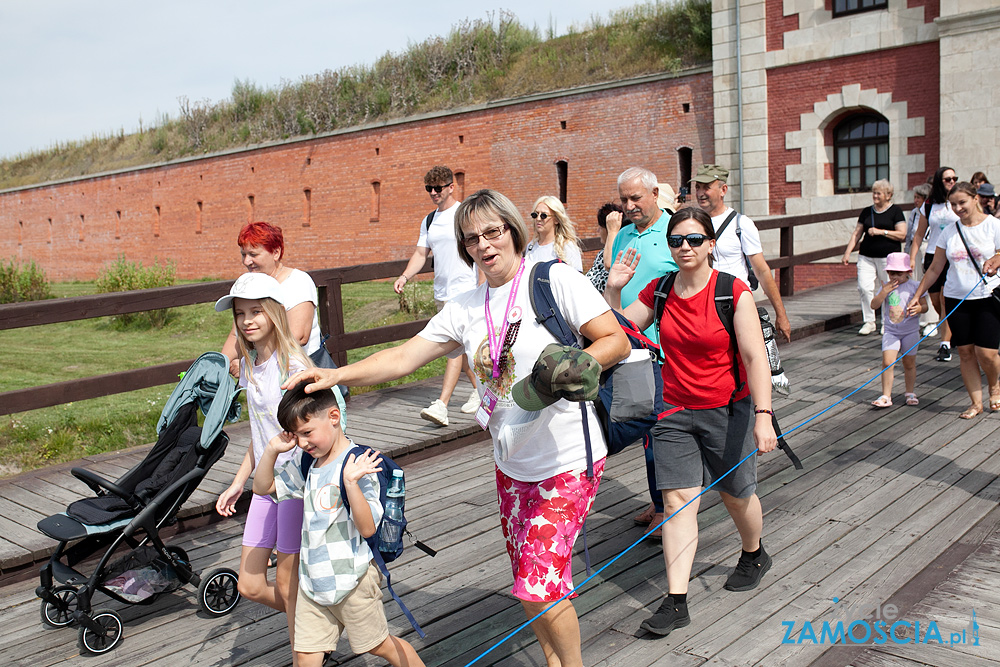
<point>623,268</point>
<point>613,222</point>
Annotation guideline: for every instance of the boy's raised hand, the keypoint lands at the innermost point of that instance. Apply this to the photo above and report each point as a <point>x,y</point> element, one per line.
<point>368,463</point>
<point>283,442</point>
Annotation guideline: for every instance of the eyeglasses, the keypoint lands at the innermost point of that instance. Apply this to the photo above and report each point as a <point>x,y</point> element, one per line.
<point>694,240</point>
<point>491,234</point>
<point>436,188</point>
<point>950,179</point>
<point>535,215</point>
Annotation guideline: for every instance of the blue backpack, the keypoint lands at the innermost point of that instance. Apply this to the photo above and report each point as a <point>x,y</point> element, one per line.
<point>382,553</point>
<point>630,398</point>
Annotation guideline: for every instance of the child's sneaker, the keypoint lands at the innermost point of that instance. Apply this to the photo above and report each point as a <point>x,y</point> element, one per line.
<point>931,329</point>
<point>867,329</point>
<point>436,412</point>
<point>944,353</point>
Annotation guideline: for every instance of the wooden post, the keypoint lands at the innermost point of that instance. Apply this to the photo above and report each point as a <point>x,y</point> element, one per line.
<point>331,313</point>
<point>786,248</point>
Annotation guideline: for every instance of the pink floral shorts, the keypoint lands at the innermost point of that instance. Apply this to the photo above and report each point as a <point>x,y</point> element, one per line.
<point>540,522</point>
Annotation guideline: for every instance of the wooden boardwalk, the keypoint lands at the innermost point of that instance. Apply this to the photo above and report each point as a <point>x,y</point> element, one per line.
<point>894,507</point>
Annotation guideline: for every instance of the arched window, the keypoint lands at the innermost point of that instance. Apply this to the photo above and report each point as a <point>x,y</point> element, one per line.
<point>860,152</point>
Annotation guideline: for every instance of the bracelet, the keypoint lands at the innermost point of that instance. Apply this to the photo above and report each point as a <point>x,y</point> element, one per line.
<point>761,411</point>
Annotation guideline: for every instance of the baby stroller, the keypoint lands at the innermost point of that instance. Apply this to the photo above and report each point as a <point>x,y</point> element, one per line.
<point>126,516</point>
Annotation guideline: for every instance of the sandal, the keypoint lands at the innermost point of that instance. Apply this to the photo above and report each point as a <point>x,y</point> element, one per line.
<point>972,412</point>
<point>645,517</point>
<point>994,402</point>
<point>882,401</point>
<point>911,398</point>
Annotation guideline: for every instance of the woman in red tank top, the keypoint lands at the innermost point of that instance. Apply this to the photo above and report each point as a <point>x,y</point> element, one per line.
<point>710,425</point>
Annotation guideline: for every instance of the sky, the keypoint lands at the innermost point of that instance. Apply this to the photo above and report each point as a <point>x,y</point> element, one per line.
<point>73,69</point>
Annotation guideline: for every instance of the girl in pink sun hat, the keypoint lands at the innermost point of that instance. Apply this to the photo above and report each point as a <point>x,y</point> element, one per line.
<point>902,330</point>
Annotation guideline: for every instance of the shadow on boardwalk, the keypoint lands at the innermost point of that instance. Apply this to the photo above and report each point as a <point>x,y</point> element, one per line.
<point>894,506</point>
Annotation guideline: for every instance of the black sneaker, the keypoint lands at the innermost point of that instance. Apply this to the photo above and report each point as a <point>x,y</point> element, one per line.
<point>667,617</point>
<point>748,572</point>
<point>944,353</point>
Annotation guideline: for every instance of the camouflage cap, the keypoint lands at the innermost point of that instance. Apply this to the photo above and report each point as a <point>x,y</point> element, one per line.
<point>560,372</point>
<point>709,173</point>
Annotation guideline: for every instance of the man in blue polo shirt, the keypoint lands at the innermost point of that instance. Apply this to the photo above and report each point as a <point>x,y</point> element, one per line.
<point>647,233</point>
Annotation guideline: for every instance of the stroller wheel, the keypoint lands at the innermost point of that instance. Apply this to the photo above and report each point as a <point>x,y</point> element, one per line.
<point>95,642</point>
<point>59,614</point>
<point>218,594</point>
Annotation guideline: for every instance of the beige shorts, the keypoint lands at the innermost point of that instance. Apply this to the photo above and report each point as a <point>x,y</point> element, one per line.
<point>318,627</point>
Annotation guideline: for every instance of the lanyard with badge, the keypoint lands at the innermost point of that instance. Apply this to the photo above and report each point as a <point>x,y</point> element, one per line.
<point>497,342</point>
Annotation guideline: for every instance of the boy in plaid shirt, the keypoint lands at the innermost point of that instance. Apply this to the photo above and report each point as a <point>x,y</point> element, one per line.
<point>338,582</point>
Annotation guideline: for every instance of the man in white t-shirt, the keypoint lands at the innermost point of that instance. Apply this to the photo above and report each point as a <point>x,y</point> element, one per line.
<point>452,276</point>
<point>739,242</point>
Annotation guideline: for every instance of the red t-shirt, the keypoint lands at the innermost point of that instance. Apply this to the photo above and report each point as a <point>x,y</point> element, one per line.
<point>698,355</point>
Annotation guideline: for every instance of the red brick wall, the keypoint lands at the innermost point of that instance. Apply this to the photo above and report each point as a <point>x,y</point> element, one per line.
<point>778,24</point>
<point>910,73</point>
<point>511,148</point>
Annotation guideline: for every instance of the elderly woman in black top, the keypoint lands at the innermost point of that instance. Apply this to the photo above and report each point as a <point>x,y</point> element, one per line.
<point>881,229</point>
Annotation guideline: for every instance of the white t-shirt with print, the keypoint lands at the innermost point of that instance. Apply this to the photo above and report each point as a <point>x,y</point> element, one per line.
<point>298,288</point>
<point>263,395</point>
<point>941,216</point>
<point>334,555</point>
<point>730,248</point>
<point>984,240</point>
<point>452,276</point>
<point>545,253</point>
<point>557,444</point>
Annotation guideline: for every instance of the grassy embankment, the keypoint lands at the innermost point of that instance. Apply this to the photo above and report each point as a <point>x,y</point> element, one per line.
<point>57,352</point>
<point>478,61</point>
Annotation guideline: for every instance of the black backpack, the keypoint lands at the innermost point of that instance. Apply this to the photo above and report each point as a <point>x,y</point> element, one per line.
<point>725,307</point>
<point>625,414</point>
<point>751,276</point>
<point>382,553</point>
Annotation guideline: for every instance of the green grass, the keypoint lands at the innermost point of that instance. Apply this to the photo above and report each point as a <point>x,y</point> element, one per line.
<point>58,352</point>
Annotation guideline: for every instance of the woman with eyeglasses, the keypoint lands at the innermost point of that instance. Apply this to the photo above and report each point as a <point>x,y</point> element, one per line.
<point>543,486</point>
<point>935,215</point>
<point>555,234</point>
<point>710,424</point>
<point>881,229</point>
<point>966,250</point>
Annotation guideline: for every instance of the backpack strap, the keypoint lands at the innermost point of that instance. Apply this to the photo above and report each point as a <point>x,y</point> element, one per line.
<point>725,306</point>
<point>729,218</point>
<point>372,542</point>
<point>428,219</point>
<point>660,294</point>
<point>543,302</point>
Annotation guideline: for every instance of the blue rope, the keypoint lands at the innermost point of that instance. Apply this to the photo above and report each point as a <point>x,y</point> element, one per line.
<point>746,458</point>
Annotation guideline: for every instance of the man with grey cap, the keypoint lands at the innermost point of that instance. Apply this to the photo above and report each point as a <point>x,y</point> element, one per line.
<point>737,241</point>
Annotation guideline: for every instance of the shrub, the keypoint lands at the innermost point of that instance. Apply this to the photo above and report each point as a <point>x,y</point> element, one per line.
<point>123,275</point>
<point>22,282</point>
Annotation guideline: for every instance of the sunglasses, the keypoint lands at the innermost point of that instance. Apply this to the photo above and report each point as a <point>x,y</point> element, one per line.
<point>491,234</point>
<point>950,179</point>
<point>694,240</point>
<point>535,215</point>
<point>436,188</point>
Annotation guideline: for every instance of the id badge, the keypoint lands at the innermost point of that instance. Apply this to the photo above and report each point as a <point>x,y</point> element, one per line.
<point>486,408</point>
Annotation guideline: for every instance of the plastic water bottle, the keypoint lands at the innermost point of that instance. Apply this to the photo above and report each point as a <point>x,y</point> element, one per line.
<point>391,534</point>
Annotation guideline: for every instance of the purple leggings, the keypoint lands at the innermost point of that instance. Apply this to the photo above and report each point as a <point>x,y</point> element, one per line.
<point>270,523</point>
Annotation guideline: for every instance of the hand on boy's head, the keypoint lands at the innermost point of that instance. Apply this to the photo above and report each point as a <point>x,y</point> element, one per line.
<point>368,463</point>
<point>319,378</point>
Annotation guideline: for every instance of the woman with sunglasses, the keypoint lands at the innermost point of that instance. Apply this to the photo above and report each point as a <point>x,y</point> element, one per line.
<point>710,425</point>
<point>543,486</point>
<point>555,234</point>
<point>966,249</point>
<point>935,215</point>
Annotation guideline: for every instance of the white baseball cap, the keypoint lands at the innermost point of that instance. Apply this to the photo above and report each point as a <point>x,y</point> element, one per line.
<point>251,286</point>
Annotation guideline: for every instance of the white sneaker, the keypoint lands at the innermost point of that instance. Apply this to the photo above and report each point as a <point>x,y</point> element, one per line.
<point>931,329</point>
<point>436,412</point>
<point>867,328</point>
<point>471,405</point>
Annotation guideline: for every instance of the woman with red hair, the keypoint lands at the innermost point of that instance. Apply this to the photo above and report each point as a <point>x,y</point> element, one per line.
<point>262,247</point>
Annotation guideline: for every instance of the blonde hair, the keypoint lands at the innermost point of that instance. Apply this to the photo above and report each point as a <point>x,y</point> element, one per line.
<point>884,187</point>
<point>565,230</point>
<point>287,347</point>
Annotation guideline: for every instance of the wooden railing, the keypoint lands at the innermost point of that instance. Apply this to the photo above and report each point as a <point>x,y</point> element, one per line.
<point>331,313</point>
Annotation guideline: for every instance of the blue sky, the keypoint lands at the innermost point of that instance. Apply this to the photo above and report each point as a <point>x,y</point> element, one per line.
<point>72,69</point>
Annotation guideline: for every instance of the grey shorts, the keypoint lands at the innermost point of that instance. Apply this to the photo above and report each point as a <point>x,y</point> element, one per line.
<point>693,448</point>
